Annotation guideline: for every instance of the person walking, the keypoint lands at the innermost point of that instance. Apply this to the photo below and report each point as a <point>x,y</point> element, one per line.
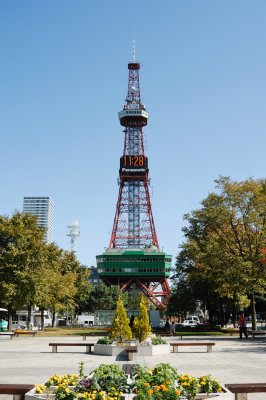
<point>242,324</point>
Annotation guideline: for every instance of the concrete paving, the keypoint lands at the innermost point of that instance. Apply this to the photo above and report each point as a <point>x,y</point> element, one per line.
<point>30,360</point>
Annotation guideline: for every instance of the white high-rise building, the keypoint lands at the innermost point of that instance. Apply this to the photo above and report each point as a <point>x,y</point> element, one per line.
<point>43,208</point>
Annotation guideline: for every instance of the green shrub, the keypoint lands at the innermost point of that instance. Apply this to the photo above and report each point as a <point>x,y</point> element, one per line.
<point>157,340</point>
<point>105,340</point>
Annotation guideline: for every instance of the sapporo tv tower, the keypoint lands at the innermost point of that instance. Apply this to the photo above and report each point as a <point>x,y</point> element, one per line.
<point>133,258</point>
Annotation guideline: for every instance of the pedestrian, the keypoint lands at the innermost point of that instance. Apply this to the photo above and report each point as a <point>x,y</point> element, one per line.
<point>172,327</point>
<point>167,325</point>
<point>242,324</point>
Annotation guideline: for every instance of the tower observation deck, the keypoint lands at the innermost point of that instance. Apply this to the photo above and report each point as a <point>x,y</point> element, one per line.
<point>133,258</point>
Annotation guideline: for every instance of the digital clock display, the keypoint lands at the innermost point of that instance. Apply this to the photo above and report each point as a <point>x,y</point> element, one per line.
<point>135,164</point>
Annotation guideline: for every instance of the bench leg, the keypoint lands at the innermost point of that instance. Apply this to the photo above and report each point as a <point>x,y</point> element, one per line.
<point>131,356</point>
<point>54,349</point>
<point>18,396</point>
<point>88,349</point>
<point>241,396</point>
<point>175,349</point>
<point>209,348</point>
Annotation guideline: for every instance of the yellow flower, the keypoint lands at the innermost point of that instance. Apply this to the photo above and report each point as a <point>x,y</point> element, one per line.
<point>150,391</point>
<point>147,384</point>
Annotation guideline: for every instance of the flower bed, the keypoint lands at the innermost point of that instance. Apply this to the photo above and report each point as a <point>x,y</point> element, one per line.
<point>109,382</point>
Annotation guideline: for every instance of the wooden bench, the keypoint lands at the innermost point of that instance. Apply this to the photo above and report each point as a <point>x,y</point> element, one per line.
<point>18,390</point>
<point>87,345</point>
<point>175,345</point>
<point>128,368</point>
<point>242,389</point>
<point>11,334</point>
<point>257,333</point>
<point>131,351</point>
<point>32,333</point>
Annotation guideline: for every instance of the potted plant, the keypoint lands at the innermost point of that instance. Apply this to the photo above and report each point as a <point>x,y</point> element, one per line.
<point>109,382</point>
<point>119,334</point>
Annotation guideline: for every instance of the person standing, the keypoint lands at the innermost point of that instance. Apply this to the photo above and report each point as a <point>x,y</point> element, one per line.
<point>242,324</point>
<point>172,327</point>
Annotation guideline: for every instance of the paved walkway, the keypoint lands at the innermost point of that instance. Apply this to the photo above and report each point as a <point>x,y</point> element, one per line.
<point>30,360</point>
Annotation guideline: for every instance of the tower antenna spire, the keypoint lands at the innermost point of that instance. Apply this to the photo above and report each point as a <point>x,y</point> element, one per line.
<point>133,46</point>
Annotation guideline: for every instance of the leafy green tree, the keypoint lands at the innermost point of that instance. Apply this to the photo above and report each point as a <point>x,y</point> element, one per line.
<point>21,258</point>
<point>84,288</point>
<point>103,297</point>
<point>224,240</point>
<point>141,326</point>
<point>120,327</point>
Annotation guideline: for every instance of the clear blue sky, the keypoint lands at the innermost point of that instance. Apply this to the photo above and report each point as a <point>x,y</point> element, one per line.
<point>64,78</point>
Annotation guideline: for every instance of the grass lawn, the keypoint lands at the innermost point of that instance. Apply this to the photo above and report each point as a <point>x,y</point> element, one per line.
<point>199,333</point>
<point>72,332</point>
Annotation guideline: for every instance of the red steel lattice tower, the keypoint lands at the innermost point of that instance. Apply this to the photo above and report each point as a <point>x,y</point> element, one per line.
<point>133,223</point>
<point>133,257</point>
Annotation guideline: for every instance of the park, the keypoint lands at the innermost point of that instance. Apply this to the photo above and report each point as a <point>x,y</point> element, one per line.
<point>122,315</point>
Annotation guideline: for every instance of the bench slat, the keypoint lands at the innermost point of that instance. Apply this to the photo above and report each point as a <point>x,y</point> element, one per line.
<point>246,387</point>
<point>192,344</point>
<point>177,344</point>
<point>11,388</point>
<point>71,344</point>
<point>58,344</point>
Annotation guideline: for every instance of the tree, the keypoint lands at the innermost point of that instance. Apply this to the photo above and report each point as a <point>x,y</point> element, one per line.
<point>103,297</point>
<point>21,258</point>
<point>120,327</point>
<point>141,325</point>
<point>224,239</point>
<point>84,288</point>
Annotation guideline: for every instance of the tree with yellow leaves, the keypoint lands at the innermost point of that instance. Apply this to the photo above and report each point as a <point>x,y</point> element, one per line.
<point>141,327</point>
<point>120,327</point>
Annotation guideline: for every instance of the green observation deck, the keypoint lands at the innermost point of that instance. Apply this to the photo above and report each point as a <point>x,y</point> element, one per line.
<point>116,264</point>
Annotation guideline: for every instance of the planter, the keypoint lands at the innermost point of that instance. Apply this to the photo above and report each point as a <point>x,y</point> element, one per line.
<point>109,349</point>
<point>143,350</point>
<point>153,350</point>
<point>226,395</point>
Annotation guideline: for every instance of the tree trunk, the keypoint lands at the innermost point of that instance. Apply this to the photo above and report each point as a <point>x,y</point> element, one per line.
<point>53,319</point>
<point>42,319</point>
<point>253,312</point>
<point>10,321</point>
<point>234,315</point>
<point>29,318</point>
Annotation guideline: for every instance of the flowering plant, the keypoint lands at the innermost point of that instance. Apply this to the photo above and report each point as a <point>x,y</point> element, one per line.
<point>209,384</point>
<point>155,376</point>
<point>109,382</point>
<point>155,384</point>
<point>189,386</point>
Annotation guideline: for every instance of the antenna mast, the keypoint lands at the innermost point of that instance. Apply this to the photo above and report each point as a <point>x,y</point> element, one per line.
<point>74,233</point>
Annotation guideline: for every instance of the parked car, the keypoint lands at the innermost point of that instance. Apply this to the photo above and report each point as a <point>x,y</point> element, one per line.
<point>16,325</point>
<point>190,323</point>
<point>194,318</point>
